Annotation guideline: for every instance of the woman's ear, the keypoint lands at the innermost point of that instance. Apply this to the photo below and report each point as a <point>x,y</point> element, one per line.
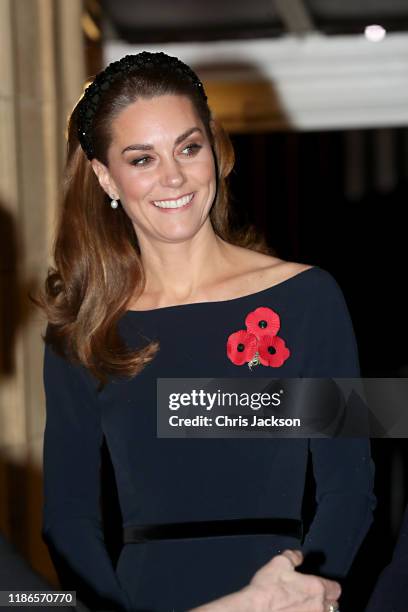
<point>104,178</point>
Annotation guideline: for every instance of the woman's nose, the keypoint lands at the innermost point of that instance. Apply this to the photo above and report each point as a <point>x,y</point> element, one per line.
<point>172,174</point>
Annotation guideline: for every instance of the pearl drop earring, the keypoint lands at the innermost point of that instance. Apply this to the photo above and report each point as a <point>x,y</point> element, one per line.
<point>114,203</point>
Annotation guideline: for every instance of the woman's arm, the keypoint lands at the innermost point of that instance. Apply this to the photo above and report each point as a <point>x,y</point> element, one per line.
<point>72,519</point>
<point>343,468</point>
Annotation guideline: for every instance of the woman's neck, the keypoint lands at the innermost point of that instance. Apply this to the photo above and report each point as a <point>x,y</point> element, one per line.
<point>179,272</point>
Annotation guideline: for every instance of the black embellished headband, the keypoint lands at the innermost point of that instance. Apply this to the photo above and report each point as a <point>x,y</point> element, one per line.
<point>129,64</point>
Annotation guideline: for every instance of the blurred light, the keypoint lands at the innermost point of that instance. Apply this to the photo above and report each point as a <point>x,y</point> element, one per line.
<point>374,33</point>
<point>90,28</point>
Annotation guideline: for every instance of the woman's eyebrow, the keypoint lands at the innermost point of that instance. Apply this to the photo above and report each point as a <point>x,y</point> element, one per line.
<point>149,147</point>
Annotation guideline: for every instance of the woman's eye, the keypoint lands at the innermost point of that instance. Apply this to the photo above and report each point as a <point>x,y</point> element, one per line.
<point>141,161</point>
<point>192,149</point>
<point>189,151</point>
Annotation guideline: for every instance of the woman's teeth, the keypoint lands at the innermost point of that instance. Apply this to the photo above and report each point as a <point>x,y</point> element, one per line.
<point>174,203</point>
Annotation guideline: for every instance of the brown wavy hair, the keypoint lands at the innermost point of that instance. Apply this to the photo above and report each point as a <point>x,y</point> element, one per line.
<point>98,268</point>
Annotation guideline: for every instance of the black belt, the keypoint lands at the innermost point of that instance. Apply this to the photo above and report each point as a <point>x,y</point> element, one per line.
<point>206,529</point>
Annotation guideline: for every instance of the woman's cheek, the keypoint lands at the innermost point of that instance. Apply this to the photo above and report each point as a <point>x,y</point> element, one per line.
<point>138,186</point>
<point>207,172</point>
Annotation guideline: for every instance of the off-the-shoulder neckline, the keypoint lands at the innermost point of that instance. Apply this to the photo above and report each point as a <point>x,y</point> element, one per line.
<point>229,301</point>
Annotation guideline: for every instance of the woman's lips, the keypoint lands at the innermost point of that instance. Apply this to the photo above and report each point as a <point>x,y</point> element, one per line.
<point>177,209</point>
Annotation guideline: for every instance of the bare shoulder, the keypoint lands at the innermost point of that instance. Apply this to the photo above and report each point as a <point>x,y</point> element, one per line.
<point>259,271</point>
<point>280,271</point>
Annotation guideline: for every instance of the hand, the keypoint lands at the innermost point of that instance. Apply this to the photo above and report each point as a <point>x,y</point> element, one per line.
<point>279,588</point>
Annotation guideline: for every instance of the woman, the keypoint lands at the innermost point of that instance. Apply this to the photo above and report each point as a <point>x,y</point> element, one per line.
<point>151,282</point>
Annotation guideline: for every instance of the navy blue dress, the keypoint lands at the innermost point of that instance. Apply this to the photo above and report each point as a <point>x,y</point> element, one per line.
<point>164,480</point>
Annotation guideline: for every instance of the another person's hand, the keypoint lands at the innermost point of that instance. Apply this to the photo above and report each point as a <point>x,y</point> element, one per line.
<point>277,587</point>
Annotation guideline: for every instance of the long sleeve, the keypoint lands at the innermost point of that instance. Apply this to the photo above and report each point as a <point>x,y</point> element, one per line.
<point>72,525</point>
<point>342,467</point>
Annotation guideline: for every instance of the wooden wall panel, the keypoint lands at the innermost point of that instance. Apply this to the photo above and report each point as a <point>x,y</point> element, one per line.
<point>41,77</point>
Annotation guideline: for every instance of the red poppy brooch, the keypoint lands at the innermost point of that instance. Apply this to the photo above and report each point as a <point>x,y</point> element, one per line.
<point>259,342</point>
